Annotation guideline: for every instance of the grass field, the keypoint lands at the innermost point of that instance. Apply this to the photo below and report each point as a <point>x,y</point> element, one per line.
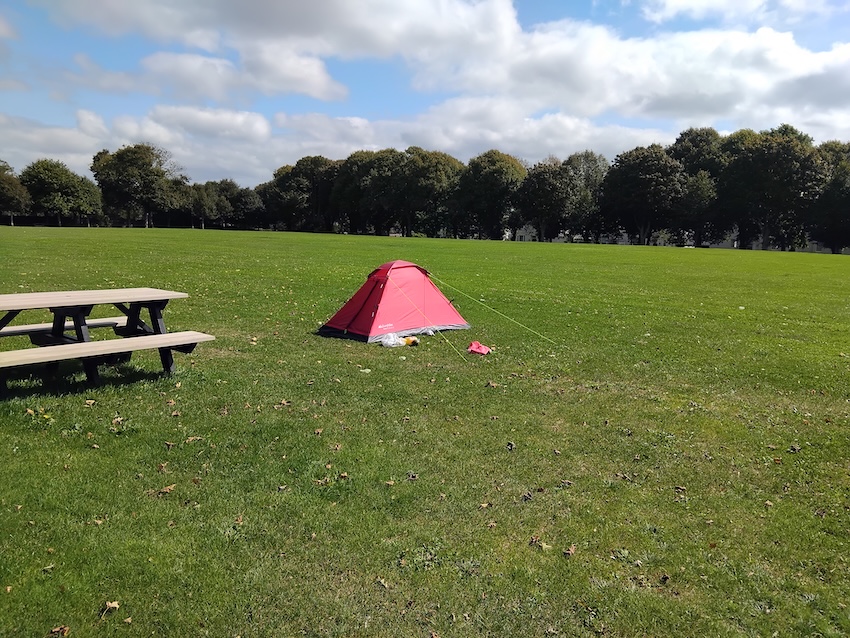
<point>659,449</point>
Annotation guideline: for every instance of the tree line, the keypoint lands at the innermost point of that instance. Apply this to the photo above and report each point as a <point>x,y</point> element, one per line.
<point>773,187</point>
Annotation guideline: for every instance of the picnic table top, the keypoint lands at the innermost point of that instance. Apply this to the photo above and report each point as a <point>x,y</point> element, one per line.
<point>69,298</point>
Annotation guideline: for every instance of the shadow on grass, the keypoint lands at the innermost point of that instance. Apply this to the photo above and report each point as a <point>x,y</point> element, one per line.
<point>69,379</point>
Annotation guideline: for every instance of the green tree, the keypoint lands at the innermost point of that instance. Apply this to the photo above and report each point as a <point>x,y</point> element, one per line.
<point>697,214</point>
<point>543,198</point>
<point>368,192</point>
<point>226,194</point>
<point>699,149</point>
<point>347,193</point>
<point>642,190</point>
<point>299,196</point>
<point>486,191</point>
<point>830,221</point>
<point>770,184</point>
<point>87,207</point>
<point>585,173</point>
<point>429,182</point>
<point>14,197</point>
<point>203,203</point>
<point>137,182</point>
<point>248,207</point>
<point>56,191</point>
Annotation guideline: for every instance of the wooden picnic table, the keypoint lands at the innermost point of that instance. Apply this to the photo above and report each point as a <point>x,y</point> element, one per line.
<point>68,335</point>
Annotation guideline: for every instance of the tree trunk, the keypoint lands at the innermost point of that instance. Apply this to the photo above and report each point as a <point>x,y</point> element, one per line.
<point>765,237</point>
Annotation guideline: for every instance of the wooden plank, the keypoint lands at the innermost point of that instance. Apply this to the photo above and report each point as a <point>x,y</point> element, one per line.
<point>66,298</point>
<point>25,329</point>
<point>29,356</point>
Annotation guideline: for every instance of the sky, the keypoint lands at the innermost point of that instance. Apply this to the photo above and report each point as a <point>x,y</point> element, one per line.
<point>238,89</point>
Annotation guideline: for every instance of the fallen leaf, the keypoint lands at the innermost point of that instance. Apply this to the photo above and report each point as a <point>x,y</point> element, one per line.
<point>511,446</point>
<point>161,467</point>
<point>109,607</point>
<point>318,431</point>
<point>390,483</point>
<point>192,439</point>
<point>171,402</point>
<point>129,619</point>
<point>175,413</point>
<point>8,589</point>
<point>89,402</point>
<point>169,444</point>
<point>162,492</point>
<point>491,524</point>
<point>61,630</point>
<point>570,550</point>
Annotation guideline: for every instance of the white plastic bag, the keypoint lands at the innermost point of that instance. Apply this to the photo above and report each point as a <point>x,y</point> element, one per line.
<point>392,340</point>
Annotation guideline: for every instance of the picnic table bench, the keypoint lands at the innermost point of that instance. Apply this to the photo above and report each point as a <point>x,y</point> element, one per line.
<point>68,335</point>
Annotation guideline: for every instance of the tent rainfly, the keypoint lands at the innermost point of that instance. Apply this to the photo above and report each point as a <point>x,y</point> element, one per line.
<point>398,297</point>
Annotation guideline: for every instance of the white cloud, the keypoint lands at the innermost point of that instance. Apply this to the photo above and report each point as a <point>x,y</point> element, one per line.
<point>25,141</point>
<point>91,124</point>
<point>276,68</point>
<point>6,29</point>
<point>93,76</point>
<point>729,10</point>
<point>739,11</point>
<point>557,88</point>
<point>213,123</point>
<point>129,130</point>
<point>191,75</point>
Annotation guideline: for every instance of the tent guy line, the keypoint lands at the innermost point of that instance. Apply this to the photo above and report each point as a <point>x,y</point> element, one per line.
<point>424,316</point>
<point>531,330</point>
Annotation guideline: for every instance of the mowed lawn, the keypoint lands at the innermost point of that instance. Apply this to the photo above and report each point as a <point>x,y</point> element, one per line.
<point>656,446</point>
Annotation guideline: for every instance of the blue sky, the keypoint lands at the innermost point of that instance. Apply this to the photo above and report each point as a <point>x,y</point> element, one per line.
<point>239,89</point>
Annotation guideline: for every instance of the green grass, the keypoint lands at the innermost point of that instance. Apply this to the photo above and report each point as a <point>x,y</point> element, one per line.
<point>684,432</point>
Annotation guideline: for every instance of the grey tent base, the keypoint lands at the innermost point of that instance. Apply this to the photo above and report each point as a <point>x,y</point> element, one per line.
<point>326,331</point>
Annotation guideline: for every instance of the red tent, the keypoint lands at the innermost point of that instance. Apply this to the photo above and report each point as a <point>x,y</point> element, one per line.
<point>399,298</point>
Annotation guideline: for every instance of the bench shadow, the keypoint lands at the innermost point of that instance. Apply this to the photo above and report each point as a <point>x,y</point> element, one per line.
<point>70,379</point>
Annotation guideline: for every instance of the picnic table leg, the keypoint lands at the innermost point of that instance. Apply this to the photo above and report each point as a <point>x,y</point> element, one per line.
<point>82,332</point>
<point>78,315</point>
<point>158,324</point>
